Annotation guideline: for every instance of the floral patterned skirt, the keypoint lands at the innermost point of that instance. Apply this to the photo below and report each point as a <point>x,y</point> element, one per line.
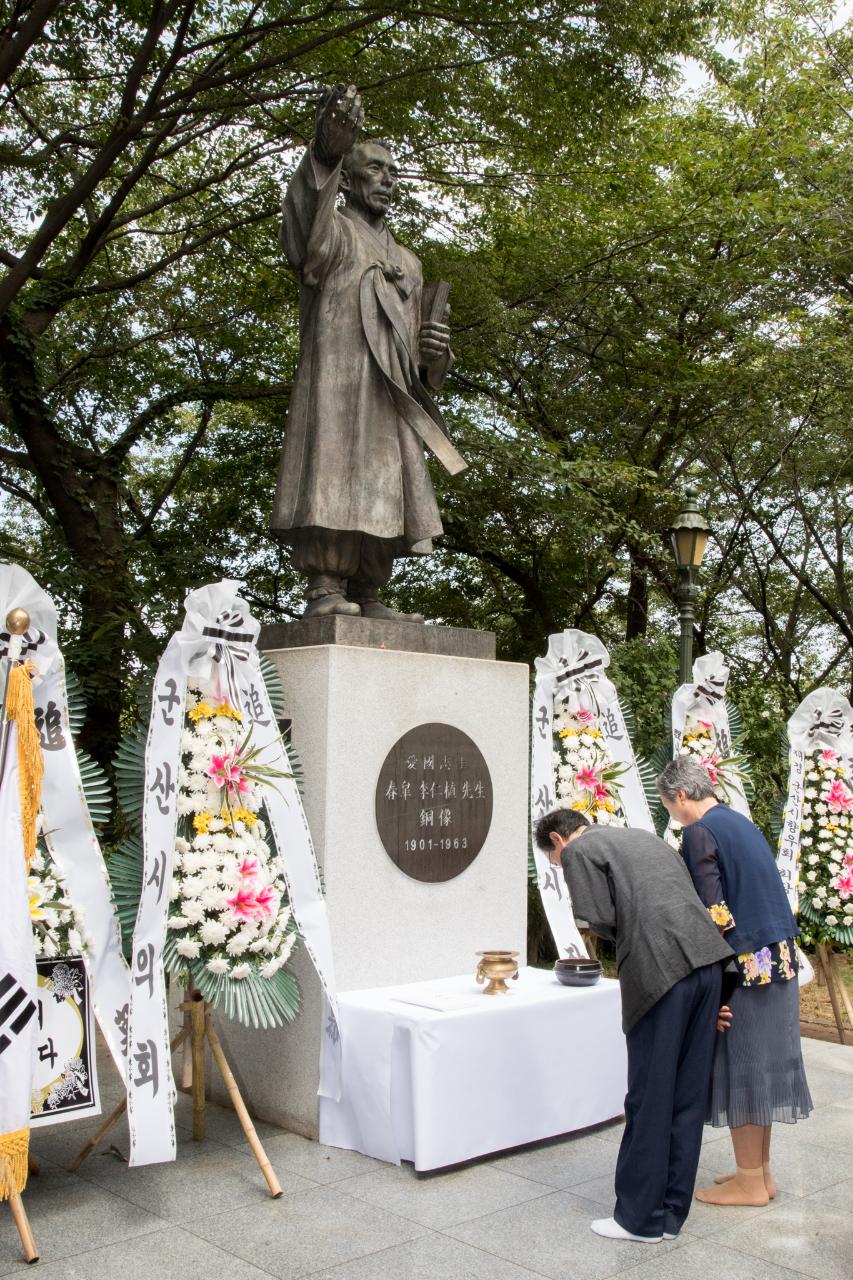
<point>758,1075</point>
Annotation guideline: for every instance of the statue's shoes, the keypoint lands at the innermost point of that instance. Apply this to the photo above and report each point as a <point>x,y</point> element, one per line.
<point>320,606</point>
<point>376,609</point>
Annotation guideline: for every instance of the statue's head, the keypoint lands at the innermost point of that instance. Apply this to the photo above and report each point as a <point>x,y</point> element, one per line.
<point>369,177</point>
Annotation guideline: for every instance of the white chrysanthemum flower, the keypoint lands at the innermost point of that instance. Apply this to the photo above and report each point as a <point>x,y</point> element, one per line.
<point>832,921</point>
<point>174,890</point>
<point>177,922</point>
<point>271,968</point>
<point>193,861</point>
<point>241,970</point>
<point>811,876</point>
<point>217,965</point>
<point>192,886</point>
<point>184,804</point>
<point>834,902</point>
<point>805,841</point>
<point>193,911</point>
<point>188,947</point>
<point>213,933</point>
<point>75,942</point>
<point>813,859</point>
<point>214,899</point>
<point>237,945</point>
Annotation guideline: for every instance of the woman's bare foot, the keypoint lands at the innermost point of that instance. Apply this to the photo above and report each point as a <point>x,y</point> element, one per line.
<point>768,1181</point>
<point>745,1188</point>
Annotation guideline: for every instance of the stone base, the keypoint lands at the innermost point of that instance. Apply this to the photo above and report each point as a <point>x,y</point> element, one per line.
<point>349,705</point>
<point>367,633</point>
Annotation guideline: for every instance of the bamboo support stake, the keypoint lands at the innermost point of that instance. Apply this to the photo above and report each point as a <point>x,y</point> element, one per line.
<point>114,1115</point>
<point>198,1033</point>
<point>824,955</point>
<point>240,1107</point>
<point>186,1052</point>
<point>25,1231</point>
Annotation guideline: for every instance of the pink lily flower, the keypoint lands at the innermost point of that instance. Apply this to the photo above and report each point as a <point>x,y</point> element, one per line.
<point>710,763</point>
<point>839,798</point>
<point>602,792</point>
<point>587,779</point>
<point>243,905</point>
<point>843,884</point>
<point>585,716</point>
<point>266,900</point>
<point>828,755</point>
<point>249,867</point>
<point>224,772</point>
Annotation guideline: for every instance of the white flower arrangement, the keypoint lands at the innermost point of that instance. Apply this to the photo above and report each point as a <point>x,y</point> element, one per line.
<point>57,928</point>
<point>701,743</point>
<point>826,898</point>
<point>585,775</point>
<point>229,909</point>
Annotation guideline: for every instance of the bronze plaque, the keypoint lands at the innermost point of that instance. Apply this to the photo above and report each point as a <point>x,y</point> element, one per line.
<point>434,802</point>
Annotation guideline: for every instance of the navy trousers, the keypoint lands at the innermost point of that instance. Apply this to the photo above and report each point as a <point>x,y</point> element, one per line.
<point>670,1051</point>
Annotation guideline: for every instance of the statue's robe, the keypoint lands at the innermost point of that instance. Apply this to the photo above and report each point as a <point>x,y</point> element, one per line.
<point>353,455</point>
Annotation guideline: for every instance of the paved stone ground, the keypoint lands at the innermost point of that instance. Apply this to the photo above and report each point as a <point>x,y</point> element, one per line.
<point>344,1217</point>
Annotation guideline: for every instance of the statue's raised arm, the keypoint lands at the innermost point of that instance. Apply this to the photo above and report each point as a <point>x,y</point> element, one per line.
<point>354,491</point>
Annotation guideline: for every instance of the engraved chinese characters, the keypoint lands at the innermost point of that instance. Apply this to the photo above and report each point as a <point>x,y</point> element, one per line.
<point>434,802</point>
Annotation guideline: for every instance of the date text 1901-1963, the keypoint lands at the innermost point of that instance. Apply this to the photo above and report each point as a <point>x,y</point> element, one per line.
<point>434,802</point>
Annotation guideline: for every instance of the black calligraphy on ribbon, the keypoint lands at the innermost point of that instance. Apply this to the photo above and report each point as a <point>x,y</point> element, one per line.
<point>232,645</point>
<point>32,641</point>
<point>582,676</point>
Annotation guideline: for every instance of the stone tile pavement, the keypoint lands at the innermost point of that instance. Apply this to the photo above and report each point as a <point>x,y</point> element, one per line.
<point>512,1217</point>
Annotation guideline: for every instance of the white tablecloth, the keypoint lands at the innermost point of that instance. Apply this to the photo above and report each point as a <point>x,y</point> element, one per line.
<point>474,1074</point>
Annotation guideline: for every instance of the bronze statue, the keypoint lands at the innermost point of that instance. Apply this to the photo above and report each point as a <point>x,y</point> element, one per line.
<point>354,492</point>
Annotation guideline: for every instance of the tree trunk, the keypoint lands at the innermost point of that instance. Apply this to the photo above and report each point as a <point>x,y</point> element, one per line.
<point>637,616</point>
<point>82,487</point>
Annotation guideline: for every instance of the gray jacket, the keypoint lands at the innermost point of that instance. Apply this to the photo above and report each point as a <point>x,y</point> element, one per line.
<point>636,891</point>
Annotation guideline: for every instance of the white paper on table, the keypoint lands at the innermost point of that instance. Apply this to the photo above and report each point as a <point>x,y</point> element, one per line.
<point>442,1002</point>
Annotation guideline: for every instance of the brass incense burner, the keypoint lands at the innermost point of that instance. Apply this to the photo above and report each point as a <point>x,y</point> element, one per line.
<point>496,967</point>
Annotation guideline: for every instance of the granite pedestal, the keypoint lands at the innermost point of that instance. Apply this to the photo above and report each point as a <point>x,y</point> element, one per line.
<point>349,703</point>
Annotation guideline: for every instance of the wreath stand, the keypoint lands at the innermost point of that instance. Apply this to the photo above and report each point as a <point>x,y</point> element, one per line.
<point>828,961</point>
<point>22,1222</point>
<point>199,1027</point>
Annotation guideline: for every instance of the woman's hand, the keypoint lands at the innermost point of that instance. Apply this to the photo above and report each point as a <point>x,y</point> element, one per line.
<point>724,1018</point>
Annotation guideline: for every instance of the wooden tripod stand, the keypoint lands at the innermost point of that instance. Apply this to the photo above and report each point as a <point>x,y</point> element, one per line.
<point>828,961</point>
<point>199,1027</point>
<point>22,1222</point>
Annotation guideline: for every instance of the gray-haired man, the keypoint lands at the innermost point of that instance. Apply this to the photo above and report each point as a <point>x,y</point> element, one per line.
<point>635,891</point>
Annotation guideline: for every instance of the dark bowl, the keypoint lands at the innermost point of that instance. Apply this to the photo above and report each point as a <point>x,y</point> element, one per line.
<point>578,965</point>
<point>577,977</point>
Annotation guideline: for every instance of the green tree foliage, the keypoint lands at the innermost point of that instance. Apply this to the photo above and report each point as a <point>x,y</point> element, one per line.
<point>147,328</point>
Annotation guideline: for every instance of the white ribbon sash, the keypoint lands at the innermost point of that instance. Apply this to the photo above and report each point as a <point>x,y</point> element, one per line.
<point>573,671</point>
<point>68,831</point>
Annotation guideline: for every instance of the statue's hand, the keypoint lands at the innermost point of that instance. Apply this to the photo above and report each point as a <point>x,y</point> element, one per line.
<point>339,118</point>
<point>434,341</point>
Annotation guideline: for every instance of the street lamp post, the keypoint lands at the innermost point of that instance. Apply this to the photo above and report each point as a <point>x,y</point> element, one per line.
<point>689,535</point>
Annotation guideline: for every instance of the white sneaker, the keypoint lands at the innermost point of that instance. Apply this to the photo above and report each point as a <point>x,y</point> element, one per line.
<point>670,1235</point>
<point>610,1229</point>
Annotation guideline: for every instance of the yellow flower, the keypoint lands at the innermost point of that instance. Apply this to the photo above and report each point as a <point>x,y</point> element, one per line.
<point>201,822</point>
<point>225,709</point>
<point>245,816</point>
<point>201,711</point>
<point>568,733</point>
<point>579,806</point>
<point>36,898</point>
<point>594,733</point>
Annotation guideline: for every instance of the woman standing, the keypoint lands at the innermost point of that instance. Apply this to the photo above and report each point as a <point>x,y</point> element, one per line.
<point>758,1075</point>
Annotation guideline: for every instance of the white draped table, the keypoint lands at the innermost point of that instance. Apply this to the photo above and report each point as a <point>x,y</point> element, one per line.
<point>437,1073</point>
